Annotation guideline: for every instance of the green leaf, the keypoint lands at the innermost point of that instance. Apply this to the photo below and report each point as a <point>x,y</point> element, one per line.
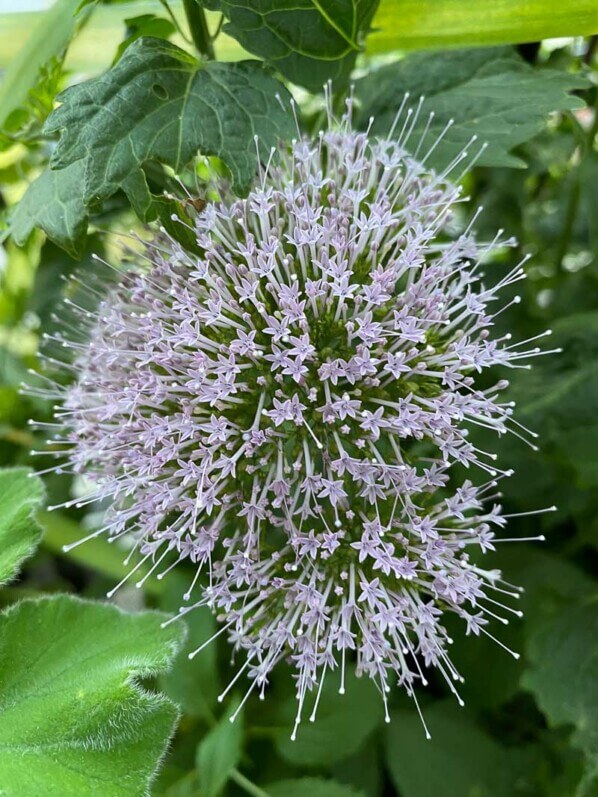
<point>74,721</point>
<point>21,494</point>
<point>563,674</point>
<point>48,38</point>
<point>192,683</point>
<point>491,93</point>
<point>418,24</point>
<point>474,657</point>
<point>54,202</point>
<point>310,787</point>
<point>159,103</point>
<point>559,397</point>
<point>218,754</point>
<point>145,25</point>
<point>335,734</point>
<point>156,104</point>
<point>25,123</point>
<point>362,771</point>
<point>308,41</point>
<point>460,760</point>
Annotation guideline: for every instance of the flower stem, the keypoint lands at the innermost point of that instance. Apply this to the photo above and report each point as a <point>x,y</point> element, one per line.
<point>198,27</point>
<point>247,785</point>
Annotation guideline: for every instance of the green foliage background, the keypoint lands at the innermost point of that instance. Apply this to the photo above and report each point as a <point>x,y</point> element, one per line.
<point>99,697</point>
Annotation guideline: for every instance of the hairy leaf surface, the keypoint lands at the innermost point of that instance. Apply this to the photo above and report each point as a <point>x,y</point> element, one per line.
<point>73,720</point>
<point>20,495</point>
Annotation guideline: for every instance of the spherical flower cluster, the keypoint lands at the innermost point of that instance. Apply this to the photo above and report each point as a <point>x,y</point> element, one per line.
<point>282,410</point>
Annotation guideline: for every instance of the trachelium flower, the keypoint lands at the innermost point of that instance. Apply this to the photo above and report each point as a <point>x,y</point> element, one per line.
<point>283,410</point>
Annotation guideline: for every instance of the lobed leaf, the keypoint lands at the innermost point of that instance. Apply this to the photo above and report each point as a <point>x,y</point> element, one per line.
<point>74,721</point>
<point>491,93</point>
<point>20,495</point>
<point>157,103</point>
<point>308,41</point>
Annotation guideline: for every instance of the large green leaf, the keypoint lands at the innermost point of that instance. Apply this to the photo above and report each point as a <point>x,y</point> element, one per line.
<point>159,103</point>
<point>335,734</point>
<point>219,753</point>
<point>491,93</point>
<point>73,720</point>
<point>460,760</point>
<point>55,203</point>
<point>309,41</point>
<point>417,24</point>
<point>310,787</point>
<point>21,493</point>
<point>563,674</point>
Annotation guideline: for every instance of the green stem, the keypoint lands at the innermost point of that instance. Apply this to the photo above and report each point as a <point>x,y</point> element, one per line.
<point>198,27</point>
<point>571,213</point>
<point>587,145</point>
<point>174,20</point>
<point>247,785</point>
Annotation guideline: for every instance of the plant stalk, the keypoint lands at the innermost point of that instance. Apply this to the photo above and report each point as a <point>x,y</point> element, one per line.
<point>246,784</point>
<point>198,27</point>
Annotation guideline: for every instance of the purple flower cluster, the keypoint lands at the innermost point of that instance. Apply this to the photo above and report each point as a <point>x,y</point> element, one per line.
<point>283,411</point>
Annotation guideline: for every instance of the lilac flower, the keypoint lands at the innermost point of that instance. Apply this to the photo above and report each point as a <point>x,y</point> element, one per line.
<point>283,412</point>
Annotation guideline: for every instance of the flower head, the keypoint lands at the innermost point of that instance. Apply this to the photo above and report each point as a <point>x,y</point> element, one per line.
<point>284,408</point>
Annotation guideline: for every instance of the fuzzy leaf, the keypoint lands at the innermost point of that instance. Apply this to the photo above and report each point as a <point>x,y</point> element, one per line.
<point>20,495</point>
<point>54,202</point>
<point>460,760</point>
<point>159,103</point>
<point>219,753</point>
<point>308,41</point>
<point>310,787</point>
<point>73,720</point>
<point>563,674</point>
<point>335,734</point>
<point>492,93</point>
